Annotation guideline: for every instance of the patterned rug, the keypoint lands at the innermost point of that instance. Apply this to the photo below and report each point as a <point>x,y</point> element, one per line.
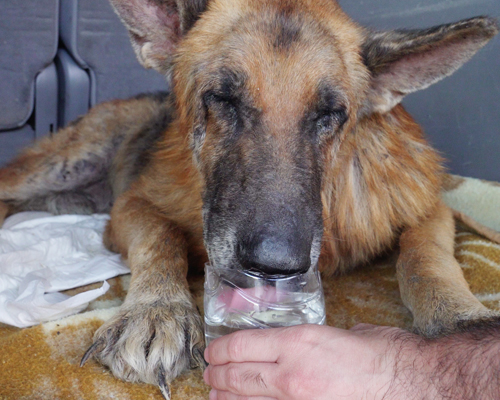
<point>42,362</point>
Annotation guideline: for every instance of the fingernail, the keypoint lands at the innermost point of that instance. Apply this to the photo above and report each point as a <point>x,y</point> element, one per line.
<point>205,355</point>
<point>213,395</point>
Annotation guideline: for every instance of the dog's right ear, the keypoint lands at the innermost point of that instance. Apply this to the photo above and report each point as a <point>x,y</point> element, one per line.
<point>156,26</point>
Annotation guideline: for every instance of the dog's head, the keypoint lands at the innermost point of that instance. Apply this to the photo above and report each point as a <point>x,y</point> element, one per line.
<point>266,92</point>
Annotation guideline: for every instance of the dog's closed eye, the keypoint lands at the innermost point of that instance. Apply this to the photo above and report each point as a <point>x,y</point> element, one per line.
<point>223,107</point>
<point>330,119</point>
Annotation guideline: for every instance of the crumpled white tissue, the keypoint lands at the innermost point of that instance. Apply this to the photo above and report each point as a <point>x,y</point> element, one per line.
<point>42,254</point>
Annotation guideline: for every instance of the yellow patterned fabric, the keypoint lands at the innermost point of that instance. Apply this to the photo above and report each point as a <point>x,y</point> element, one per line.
<point>42,362</point>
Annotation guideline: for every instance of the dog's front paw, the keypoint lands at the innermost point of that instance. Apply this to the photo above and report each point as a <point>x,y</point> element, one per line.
<point>150,343</point>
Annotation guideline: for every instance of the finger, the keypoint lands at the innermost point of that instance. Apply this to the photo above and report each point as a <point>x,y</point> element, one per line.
<point>362,327</point>
<point>243,379</point>
<point>255,345</point>
<point>219,395</point>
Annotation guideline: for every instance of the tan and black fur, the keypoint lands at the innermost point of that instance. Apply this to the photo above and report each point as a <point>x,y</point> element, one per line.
<point>281,145</point>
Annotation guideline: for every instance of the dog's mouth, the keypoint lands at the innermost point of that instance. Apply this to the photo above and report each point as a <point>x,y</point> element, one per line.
<point>265,285</point>
<point>274,252</point>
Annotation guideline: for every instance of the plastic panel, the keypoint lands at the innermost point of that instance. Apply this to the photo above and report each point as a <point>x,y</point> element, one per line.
<point>46,101</point>
<point>74,88</point>
<point>11,142</point>
<point>29,38</point>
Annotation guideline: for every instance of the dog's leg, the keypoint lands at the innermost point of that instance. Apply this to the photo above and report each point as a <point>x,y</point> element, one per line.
<point>158,332</point>
<point>431,281</point>
<point>67,172</point>
<point>76,155</point>
<point>78,169</point>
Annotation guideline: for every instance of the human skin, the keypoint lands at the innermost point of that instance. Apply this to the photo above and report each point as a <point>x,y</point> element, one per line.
<point>367,362</point>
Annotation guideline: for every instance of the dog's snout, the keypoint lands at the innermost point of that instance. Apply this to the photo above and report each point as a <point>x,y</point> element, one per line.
<point>275,255</point>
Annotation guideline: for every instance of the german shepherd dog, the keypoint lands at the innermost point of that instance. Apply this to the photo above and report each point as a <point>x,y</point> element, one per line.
<point>281,145</point>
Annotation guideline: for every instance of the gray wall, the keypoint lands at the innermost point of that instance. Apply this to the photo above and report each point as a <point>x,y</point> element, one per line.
<point>461,114</point>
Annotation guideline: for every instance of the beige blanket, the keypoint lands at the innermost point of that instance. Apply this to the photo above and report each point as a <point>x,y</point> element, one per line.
<point>42,362</point>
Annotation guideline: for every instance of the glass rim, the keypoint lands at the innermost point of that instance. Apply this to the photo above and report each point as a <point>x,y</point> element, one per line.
<point>257,275</point>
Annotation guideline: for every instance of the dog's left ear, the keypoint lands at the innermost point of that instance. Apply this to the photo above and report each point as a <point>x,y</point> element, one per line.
<point>404,61</point>
<point>156,26</point>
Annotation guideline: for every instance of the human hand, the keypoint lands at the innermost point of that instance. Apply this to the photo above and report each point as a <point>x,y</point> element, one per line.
<point>303,362</point>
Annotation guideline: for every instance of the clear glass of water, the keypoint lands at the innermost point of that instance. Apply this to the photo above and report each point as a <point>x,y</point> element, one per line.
<point>236,300</point>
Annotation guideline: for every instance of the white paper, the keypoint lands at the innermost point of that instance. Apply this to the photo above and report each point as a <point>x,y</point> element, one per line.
<point>41,255</point>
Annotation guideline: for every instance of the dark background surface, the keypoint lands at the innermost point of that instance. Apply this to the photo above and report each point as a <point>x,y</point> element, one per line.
<point>461,114</point>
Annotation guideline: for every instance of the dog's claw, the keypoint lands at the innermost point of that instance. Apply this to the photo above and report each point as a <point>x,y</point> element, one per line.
<point>162,384</point>
<point>91,350</point>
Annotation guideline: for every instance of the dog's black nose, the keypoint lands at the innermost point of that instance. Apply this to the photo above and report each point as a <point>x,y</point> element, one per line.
<point>275,255</point>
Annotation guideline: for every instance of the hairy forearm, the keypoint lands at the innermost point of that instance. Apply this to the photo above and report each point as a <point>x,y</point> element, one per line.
<point>461,366</point>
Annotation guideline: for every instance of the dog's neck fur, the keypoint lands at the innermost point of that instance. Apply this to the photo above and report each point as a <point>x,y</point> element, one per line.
<point>385,177</point>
